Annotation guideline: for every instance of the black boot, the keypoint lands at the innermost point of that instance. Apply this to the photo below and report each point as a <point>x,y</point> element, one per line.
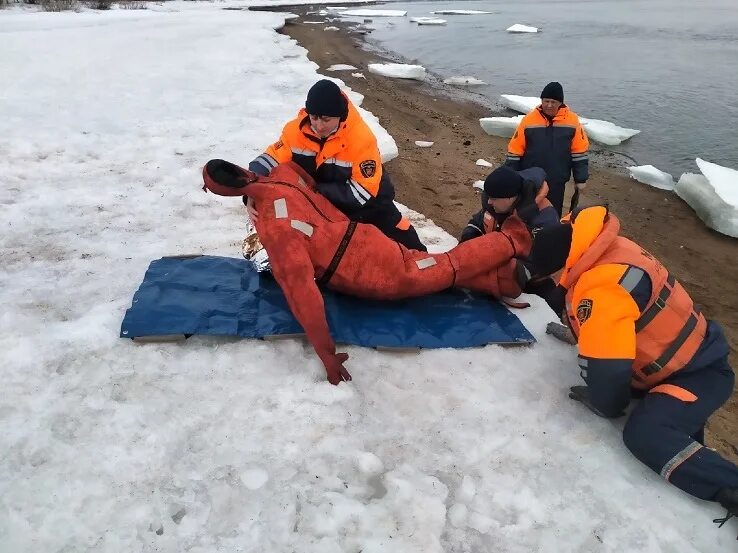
<point>728,498</point>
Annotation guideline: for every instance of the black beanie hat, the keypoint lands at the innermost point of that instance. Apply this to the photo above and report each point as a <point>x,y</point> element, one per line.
<point>550,248</point>
<point>503,182</point>
<point>554,91</point>
<point>325,98</point>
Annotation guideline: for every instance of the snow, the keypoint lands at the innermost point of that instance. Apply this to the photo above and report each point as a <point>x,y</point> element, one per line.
<point>713,196</point>
<point>500,126</point>
<point>603,132</point>
<point>373,13</point>
<point>483,163</point>
<point>648,174</point>
<point>428,21</point>
<point>358,75</point>
<point>519,28</point>
<point>398,70</point>
<point>463,81</point>
<point>221,445</point>
<point>330,28</point>
<point>341,67</point>
<point>460,12</point>
<point>423,144</point>
<point>478,184</point>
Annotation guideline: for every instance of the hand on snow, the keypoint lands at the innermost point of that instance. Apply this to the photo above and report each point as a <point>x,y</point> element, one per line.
<point>251,210</point>
<point>561,332</point>
<point>581,394</point>
<point>335,370</point>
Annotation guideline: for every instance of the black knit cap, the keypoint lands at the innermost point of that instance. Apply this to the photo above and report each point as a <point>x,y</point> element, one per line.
<point>553,91</point>
<point>550,248</point>
<point>503,182</point>
<point>325,98</point>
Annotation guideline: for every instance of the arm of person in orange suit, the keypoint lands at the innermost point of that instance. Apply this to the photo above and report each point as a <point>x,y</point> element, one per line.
<point>294,272</point>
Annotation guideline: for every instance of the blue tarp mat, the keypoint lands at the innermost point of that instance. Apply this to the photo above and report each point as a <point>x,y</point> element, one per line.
<point>225,296</point>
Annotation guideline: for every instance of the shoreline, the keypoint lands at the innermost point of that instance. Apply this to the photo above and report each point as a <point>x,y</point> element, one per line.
<point>437,181</point>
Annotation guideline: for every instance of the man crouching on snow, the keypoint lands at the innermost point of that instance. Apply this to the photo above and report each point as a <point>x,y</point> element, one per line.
<point>310,243</point>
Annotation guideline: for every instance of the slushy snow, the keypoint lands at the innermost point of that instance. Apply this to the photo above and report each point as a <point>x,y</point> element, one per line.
<point>648,174</point>
<point>398,70</point>
<point>464,81</point>
<point>713,195</point>
<point>519,28</point>
<point>598,130</point>
<point>222,445</point>
<point>358,75</point>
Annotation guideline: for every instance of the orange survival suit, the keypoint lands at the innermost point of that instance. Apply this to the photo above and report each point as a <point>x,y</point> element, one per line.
<point>311,242</point>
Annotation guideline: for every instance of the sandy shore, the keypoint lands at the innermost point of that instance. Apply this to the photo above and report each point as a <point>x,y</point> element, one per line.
<point>437,182</point>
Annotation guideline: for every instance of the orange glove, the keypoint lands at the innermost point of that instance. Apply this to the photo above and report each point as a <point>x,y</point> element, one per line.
<point>334,368</point>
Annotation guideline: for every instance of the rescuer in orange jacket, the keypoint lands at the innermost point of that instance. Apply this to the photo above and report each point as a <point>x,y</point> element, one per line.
<point>334,145</point>
<point>551,137</point>
<point>637,330</point>
<point>307,238</point>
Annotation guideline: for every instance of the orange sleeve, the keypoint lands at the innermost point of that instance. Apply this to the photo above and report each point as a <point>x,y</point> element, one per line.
<point>516,147</point>
<point>366,170</point>
<point>281,151</point>
<point>580,142</point>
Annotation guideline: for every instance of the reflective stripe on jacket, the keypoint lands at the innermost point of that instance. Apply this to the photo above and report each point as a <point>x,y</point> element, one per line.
<point>558,145</point>
<point>620,343</point>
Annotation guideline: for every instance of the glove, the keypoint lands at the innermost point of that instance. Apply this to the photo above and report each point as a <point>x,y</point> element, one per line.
<point>561,332</point>
<point>335,370</point>
<point>581,394</point>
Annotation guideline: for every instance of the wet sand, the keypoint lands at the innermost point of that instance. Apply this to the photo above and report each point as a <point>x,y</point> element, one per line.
<point>437,182</point>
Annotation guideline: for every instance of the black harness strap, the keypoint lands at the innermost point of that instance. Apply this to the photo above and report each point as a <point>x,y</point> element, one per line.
<point>338,255</point>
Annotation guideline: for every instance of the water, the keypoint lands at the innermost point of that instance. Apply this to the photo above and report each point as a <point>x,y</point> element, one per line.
<point>666,67</point>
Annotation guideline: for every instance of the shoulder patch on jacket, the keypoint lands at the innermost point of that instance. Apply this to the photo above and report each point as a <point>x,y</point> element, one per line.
<point>278,144</point>
<point>584,310</point>
<point>368,168</point>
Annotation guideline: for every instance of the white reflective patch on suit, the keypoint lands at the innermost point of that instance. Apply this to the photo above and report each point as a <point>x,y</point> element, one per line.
<point>280,208</point>
<point>425,263</point>
<point>303,152</point>
<point>302,226</point>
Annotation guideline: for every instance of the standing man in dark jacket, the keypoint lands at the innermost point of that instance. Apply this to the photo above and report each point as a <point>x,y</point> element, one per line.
<point>551,136</point>
<point>334,145</point>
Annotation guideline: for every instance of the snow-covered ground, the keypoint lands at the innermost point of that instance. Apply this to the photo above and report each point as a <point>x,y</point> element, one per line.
<point>236,445</point>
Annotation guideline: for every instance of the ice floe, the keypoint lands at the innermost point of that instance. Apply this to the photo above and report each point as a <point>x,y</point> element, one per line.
<point>464,81</point>
<point>398,70</point>
<point>479,184</point>
<point>330,28</point>
<point>341,67</point>
<point>500,126</point>
<point>518,28</point>
<point>358,75</point>
<point>423,144</point>
<point>648,174</point>
<point>483,163</point>
<point>428,20</point>
<point>713,195</point>
<point>460,12</point>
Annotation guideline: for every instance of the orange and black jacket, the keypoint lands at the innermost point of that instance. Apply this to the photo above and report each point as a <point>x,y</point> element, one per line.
<point>635,324</point>
<point>559,145</point>
<point>346,165</point>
